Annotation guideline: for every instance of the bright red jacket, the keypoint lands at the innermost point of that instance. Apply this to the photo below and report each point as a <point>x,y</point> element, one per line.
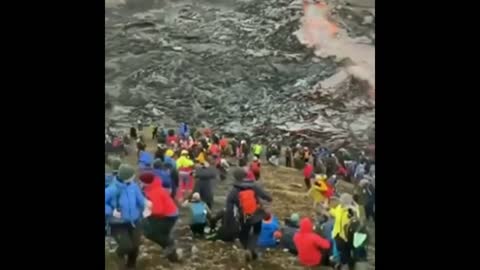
<point>223,143</point>
<point>308,170</point>
<point>309,244</point>
<point>215,150</point>
<point>162,204</point>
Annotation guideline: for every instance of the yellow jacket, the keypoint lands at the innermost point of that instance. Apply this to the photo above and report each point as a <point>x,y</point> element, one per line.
<point>201,157</point>
<point>317,190</point>
<point>184,162</point>
<point>340,214</point>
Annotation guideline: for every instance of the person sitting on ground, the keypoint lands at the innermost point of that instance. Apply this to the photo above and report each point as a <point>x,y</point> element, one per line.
<point>228,230</point>
<point>199,213</point>
<point>270,226</point>
<point>161,215</point>
<point>205,175</point>
<point>124,204</point>
<point>255,167</point>
<point>245,196</point>
<point>309,244</point>
<point>308,174</point>
<point>161,171</point>
<point>287,232</point>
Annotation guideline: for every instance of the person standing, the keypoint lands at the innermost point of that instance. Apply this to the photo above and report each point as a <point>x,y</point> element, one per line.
<point>124,204</point>
<point>205,175</point>
<point>245,196</point>
<point>161,216</point>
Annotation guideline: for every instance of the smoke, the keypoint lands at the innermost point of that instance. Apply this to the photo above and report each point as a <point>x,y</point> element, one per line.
<point>320,33</point>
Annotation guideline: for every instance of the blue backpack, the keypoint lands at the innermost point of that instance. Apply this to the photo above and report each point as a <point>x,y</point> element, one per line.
<point>199,213</point>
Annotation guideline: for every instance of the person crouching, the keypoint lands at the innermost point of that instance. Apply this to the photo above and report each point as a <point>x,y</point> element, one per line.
<point>199,212</point>
<point>161,215</point>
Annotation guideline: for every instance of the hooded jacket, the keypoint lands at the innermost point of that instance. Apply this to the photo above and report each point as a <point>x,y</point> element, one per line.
<point>184,163</point>
<point>126,198</point>
<point>145,160</point>
<point>165,177</point>
<point>266,237</point>
<point>162,204</point>
<point>232,199</point>
<point>309,244</point>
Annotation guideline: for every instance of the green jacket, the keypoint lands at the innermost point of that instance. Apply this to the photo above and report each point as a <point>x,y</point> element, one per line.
<point>257,149</point>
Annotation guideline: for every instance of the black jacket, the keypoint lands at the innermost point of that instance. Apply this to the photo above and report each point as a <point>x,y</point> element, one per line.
<point>203,185</point>
<point>232,200</point>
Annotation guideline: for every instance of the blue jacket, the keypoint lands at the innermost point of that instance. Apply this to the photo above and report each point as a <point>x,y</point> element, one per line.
<point>129,198</point>
<point>266,238</point>
<point>183,130</point>
<point>165,176</point>
<point>109,177</point>
<point>171,161</point>
<point>145,160</point>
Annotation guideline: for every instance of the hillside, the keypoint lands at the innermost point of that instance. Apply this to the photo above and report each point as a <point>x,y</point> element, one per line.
<point>286,187</point>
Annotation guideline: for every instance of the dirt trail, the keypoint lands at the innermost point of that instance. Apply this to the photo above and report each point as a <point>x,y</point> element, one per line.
<point>285,186</point>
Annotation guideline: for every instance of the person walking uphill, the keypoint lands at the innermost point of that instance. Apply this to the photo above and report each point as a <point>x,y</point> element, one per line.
<point>124,204</point>
<point>161,215</point>
<point>245,196</point>
<point>185,168</point>
<point>309,244</point>
<point>205,175</point>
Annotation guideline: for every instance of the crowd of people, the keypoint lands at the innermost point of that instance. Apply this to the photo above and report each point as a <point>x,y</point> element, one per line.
<point>182,171</point>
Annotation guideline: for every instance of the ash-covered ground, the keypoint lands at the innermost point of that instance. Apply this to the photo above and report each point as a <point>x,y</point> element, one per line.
<point>235,66</point>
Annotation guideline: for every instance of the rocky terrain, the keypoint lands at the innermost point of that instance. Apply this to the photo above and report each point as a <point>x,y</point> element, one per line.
<point>286,187</point>
<point>236,66</point>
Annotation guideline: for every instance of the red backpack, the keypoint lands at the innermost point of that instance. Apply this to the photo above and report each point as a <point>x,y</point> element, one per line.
<point>247,201</point>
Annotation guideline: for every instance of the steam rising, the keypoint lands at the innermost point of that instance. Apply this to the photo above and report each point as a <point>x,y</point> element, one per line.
<point>318,32</point>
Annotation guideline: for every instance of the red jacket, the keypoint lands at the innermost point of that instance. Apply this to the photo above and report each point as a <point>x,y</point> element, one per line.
<point>309,244</point>
<point>250,175</point>
<point>223,143</point>
<point>171,139</point>
<point>215,150</point>
<point>162,204</point>
<point>308,170</point>
<point>255,166</point>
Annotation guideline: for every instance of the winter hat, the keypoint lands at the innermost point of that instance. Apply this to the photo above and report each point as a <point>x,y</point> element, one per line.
<point>239,174</point>
<point>115,164</point>
<point>157,163</point>
<point>255,158</point>
<point>195,197</point>
<point>125,172</point>
<point>147,177</point>
<point>294,218</point>
<point>184,152</point>
<point>169,153</point>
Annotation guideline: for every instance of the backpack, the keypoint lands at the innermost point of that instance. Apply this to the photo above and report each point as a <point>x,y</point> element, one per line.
<point>248,201</point>
<point>199,213</point>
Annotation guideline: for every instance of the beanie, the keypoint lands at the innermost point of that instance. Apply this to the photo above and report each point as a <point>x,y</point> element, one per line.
<point>239,174</point>
<point>294,218</point>
<point>125,172</point>
<point>147,177</point>
<point>115,164</point>
<point>157,163</point>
